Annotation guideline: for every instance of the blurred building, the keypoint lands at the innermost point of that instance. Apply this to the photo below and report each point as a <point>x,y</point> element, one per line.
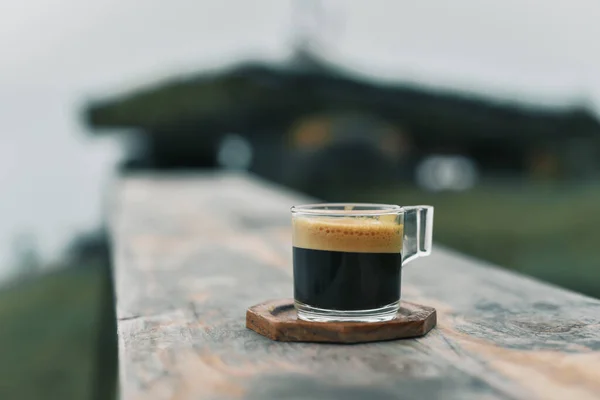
<point>309,123</point>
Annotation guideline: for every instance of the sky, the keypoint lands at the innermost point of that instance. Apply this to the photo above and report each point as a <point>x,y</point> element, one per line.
<point>515,48</point>
<point>57,54</point>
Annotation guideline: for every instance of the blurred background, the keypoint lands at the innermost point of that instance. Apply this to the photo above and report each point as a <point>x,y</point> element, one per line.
<point>486,110</point>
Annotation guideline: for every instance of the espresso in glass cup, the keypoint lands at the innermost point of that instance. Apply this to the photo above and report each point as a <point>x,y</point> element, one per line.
<point>348,258</point>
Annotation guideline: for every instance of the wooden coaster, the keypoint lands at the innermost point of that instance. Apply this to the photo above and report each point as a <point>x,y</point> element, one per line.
<point>277,320</point>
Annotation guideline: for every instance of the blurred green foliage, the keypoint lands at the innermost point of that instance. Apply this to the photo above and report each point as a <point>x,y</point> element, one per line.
<point>48,331</point>
<point>549,231</point>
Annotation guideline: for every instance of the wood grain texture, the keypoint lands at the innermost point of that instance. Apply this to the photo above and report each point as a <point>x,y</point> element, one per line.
<point>277,320</point>
<point>191,253</point>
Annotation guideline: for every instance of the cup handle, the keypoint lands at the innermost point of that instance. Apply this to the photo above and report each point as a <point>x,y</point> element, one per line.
<point>418,232</point>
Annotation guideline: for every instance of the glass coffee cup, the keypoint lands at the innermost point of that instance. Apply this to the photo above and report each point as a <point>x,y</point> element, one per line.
<point>348,258</point>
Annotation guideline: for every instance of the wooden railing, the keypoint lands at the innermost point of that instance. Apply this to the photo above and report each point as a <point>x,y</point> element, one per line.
<point>191,253</point>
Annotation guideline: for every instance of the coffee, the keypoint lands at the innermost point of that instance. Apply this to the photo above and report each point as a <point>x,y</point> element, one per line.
<point>347,263</point>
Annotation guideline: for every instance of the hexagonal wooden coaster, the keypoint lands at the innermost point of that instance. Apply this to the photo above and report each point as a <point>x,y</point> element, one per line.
<point>277,320</point>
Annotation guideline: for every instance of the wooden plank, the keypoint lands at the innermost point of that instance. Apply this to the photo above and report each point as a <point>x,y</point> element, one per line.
<point>193,252</point>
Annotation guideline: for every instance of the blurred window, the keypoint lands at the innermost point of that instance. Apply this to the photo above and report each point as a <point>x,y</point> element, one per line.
<point>235,152</point>
<point>436,173</point>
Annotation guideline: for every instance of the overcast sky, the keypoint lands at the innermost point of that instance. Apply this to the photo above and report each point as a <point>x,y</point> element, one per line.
<point>55,54</point>
<point>516,48</point>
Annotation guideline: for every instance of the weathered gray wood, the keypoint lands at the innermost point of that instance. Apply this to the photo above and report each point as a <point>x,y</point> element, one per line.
<point>193,252</point>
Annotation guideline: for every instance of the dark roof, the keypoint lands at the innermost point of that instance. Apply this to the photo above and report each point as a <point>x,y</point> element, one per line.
<point>256,93</point>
